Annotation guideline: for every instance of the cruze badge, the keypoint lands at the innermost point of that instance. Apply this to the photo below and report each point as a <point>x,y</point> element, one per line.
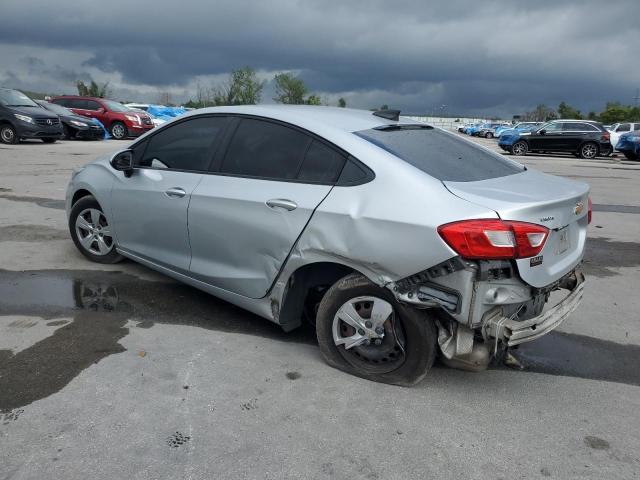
<point>578,208</point>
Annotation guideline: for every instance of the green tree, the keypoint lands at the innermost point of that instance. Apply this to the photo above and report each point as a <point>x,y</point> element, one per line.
<point>567,111</point>
<point>290,89</point>
<point>616,112</point>
<point>384,107</point>
<point>242,88</point>
<point>592,116</point>
<point>342,103</point>
<point>93,89</point>
<point>313,100</point>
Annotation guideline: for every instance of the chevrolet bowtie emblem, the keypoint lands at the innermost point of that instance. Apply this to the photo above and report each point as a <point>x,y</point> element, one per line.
<point>578,208</point>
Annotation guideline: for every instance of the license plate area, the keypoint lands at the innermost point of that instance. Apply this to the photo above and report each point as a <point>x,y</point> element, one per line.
<point>563,243</point>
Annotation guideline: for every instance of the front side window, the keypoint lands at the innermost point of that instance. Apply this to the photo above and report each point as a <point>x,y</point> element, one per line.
<point>265,150</point>
<point>115,106</point>
<point>624,127</point>
<point>93,105</point>
<point>188,145</point>
<point>552,127</point>
<point>441,154</point>
<point>78,103</point>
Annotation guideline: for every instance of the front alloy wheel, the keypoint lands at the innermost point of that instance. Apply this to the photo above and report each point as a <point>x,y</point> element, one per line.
<point>519,148</point>
<point>91,232</point>
<point>119,131</point>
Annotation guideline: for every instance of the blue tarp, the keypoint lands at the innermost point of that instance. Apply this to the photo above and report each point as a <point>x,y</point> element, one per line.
<point>106,132</point>
<point>165,113</point>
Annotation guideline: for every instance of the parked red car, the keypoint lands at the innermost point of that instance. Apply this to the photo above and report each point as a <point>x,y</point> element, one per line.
<point>121,121</point>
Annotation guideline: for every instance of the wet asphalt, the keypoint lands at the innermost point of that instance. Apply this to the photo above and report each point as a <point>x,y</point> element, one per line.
<point>101,303</point>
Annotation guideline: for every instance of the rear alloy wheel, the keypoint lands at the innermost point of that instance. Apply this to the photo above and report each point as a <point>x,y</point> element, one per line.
<point>119,130</point>
<point>631,156</point>
<point>488,135</point>
<point>519,148</point>
<point>589,150</point>
<point>363,330</point>
<point>91,231</point>
<point>8,134</point>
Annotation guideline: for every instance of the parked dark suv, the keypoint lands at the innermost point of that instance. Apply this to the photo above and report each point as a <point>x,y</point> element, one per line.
<point>583,138</point>
<point>121,121</point>
<point>21,117</point>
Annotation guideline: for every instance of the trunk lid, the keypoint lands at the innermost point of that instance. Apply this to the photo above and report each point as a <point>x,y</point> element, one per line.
<point>557,203</point>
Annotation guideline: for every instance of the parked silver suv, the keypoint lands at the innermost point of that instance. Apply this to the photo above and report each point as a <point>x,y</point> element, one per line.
<point>398,240</point>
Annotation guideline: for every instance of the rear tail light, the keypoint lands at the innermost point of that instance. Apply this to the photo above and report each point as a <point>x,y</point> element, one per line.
<point>606,137</point>
<point>590,210</point>
<point>493,239</point>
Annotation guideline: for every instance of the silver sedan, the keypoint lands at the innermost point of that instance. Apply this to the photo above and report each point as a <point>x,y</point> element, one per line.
<point>397,240</point>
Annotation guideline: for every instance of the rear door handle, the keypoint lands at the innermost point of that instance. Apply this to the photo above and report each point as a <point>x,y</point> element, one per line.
<point>175,192</point>
<point>282,203</point>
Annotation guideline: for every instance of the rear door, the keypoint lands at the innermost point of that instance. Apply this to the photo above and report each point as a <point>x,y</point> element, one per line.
<point>245,217</point>
<point>150,207</point>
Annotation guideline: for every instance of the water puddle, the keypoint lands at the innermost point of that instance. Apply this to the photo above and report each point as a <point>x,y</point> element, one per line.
<point>102,303</point>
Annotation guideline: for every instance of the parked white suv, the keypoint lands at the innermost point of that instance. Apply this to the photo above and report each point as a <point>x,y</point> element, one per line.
<point>622,128</point>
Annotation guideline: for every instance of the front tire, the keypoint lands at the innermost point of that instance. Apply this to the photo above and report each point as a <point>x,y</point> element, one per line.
<point>488,135</point>
<point>589,150</point>
<point>8,134</point>
<point>519,148</point>
<point>631,156</point>
<point>91,232</point>
<point>364,331</point>
<point>118,130</point>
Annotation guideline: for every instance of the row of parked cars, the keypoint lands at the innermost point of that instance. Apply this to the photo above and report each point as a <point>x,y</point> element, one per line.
<point>583,138</point>
<point>71,117</point>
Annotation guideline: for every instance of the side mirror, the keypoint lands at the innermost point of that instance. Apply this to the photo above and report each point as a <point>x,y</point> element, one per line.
<point>100,110</point>
<point>542,132</point>
<point>123,162</point>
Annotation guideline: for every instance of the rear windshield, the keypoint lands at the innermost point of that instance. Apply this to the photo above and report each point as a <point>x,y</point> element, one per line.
<point>441,154</point>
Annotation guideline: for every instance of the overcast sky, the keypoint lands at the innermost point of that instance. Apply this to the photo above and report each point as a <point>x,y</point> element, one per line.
<point>475,57</point>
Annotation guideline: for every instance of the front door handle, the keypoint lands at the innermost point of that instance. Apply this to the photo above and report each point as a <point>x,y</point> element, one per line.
<point>175,192</point>
<point>282,203</point>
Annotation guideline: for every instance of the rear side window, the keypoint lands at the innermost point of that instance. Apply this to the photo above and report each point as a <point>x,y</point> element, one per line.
<point>61,101</point>
<point>93,105</point>
<point>441,154</point>
<point>266,150</point>
<point>321,164</point>
<point>77,103</point>
<point>188,145</point>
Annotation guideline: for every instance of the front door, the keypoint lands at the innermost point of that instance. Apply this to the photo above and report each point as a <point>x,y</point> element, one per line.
<point>150,207</point>
<point>551,139</point>
<point>244,220</point>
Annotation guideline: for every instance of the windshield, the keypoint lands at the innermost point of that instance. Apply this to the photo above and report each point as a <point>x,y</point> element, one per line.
<point>115,106</point>
<point>60,110</point>
<point>14,98</point>
<point>441,154</point>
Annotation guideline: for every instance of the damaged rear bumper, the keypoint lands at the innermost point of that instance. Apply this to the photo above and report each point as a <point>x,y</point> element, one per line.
<point>514,332</point>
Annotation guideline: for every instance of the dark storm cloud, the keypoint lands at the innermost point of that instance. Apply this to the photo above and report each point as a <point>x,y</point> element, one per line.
<point>472,56</point>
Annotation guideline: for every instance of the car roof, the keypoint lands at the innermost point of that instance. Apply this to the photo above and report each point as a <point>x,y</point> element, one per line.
<point>311,117</point>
